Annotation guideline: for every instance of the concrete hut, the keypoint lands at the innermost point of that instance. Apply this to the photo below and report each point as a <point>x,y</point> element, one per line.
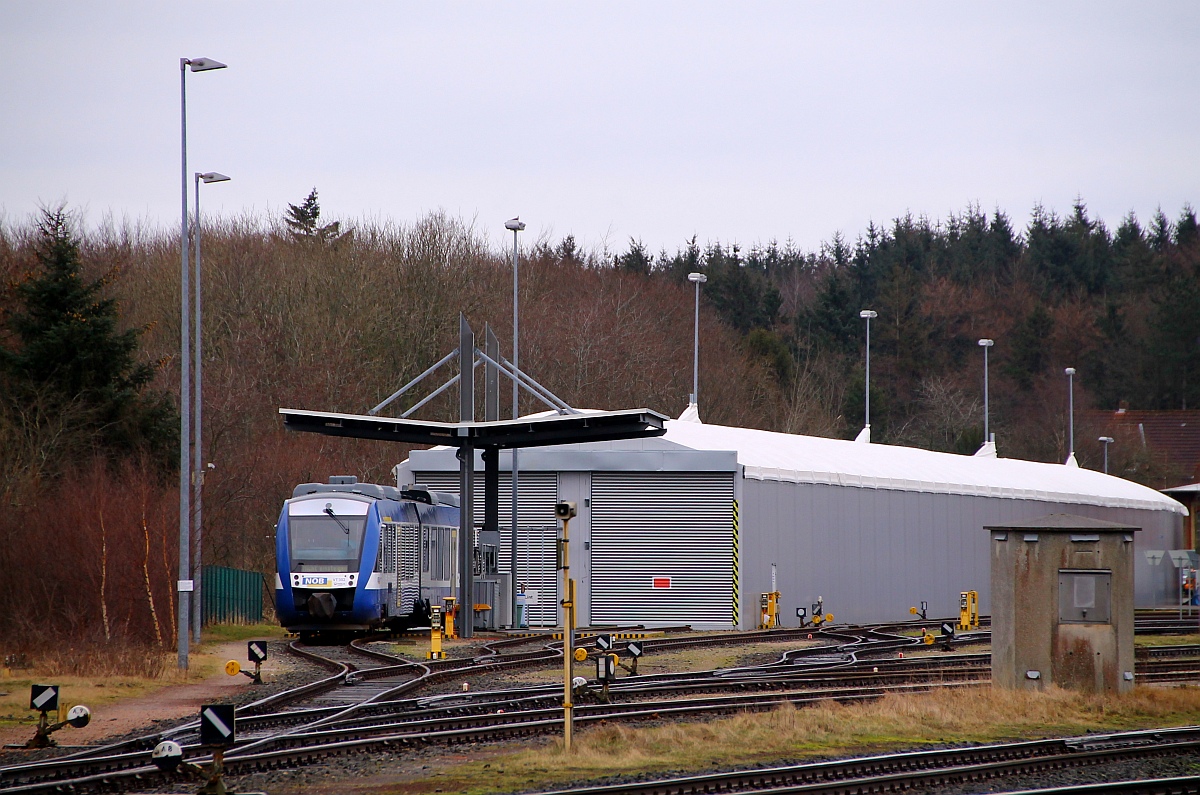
<point>1062,603</point>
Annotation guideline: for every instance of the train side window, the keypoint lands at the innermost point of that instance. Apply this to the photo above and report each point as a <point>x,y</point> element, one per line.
<point>425,550</point>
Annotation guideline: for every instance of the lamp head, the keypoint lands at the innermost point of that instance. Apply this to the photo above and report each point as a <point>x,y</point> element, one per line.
<point>697,278</point>
<point>515,224</point>
<point>203,64</point>
<point>868,314</point>
<point>1106,439</point>
<point>211,176</point>
<point>986,343</point>
<point>1069,371</point>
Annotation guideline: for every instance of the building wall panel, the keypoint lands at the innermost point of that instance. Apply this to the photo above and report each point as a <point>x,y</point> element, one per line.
<point>873,553</point>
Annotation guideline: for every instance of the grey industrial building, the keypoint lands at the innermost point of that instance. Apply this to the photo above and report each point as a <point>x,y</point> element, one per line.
<point>685,527</point>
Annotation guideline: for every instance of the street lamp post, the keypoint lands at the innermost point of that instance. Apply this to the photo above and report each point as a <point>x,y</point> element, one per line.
<point>985,344</point>
<point>1070,373</point>
<point>185,476</point>
<point>1106,441</point>
<point>197,425</point>
<point>696,279</point>
<point>515,225</point>
<point>867,314</point>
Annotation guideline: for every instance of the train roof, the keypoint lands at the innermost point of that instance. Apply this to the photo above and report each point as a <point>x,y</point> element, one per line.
<point>348,484</point>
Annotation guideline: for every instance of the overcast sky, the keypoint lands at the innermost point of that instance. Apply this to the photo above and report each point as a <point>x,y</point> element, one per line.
<point>735,121</point>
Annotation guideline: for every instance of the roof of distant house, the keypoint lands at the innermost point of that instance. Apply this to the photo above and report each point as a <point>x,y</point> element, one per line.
<point>1173,434</point>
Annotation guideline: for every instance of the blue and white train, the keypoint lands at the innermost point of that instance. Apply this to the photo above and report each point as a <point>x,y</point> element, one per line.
<point>355,557</point>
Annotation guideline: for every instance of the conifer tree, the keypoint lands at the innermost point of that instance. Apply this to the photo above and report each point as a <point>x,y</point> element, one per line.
<point>66,362</point>
<point>304,221</point>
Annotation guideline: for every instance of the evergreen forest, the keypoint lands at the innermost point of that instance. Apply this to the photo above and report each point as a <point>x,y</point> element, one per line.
<point>336,316</point>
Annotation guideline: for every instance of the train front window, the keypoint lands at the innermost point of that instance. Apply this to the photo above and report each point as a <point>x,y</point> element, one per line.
<point>326,535</point>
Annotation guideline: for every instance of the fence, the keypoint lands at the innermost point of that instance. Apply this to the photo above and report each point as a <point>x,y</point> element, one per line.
<point>231,596</point>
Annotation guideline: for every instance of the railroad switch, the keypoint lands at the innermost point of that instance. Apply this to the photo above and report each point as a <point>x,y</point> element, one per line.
<point>634,648</point>
<point>968,610</point>
<point>218,731</point>
<point>922,612</point>
<point>606,671</point>
<point>44,698</point>
<point>819,616</point>
<point>168,757</point>
<point>435,633</point>
<point>947,635</point>
<point>256,652</point>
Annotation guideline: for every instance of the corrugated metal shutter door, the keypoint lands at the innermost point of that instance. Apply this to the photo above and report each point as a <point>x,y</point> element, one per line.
<point>536,570</point>
<point>539,492</point>
<point>673,531</point>
<point>538,531</point>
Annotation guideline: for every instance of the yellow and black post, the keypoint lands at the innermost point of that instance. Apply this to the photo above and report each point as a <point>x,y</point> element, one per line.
<point>448,614</point>
<point>435,633</point>
<point>968,610</point>
<point>565,511</point>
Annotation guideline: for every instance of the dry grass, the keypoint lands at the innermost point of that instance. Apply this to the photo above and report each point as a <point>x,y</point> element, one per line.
<point>107,682</point>
<point>224,633</point>
<point>973,715</point>
<point>1166,640</point>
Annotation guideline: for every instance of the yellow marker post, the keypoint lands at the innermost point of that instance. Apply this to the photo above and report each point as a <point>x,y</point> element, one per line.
<point>435,633</point>
<point>581,655</point>
<point>968,610</point>
<point>564,511</point>
<point>233,668</point>
<point>448,616</point>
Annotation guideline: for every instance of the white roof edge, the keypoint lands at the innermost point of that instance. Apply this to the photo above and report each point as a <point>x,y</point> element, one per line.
<point>892,484</point>
<point>963,489</point>
<point>770,455</point>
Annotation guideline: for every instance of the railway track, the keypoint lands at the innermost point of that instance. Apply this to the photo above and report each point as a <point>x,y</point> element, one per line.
<point>372,699</point>
<point>926,770</point>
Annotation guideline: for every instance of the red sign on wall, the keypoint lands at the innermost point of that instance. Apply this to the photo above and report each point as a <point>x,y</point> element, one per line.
<point>661,582</point>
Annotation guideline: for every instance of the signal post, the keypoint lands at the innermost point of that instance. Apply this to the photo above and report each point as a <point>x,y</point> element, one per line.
<point>565,511</point>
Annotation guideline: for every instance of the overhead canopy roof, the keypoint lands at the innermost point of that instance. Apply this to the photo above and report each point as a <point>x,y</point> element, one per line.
<point>535,431</point>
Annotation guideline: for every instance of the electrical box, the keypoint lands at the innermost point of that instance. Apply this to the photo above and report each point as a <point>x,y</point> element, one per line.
<point>1084,596</point>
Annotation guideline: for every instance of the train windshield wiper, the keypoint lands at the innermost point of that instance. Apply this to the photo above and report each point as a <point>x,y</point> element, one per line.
<point>345,527</point>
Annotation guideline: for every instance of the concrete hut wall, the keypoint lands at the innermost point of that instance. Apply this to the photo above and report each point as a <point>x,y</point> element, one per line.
<point>873,553</point>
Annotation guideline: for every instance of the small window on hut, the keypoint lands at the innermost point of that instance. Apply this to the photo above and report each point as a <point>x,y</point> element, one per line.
<point>1084,596</point>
